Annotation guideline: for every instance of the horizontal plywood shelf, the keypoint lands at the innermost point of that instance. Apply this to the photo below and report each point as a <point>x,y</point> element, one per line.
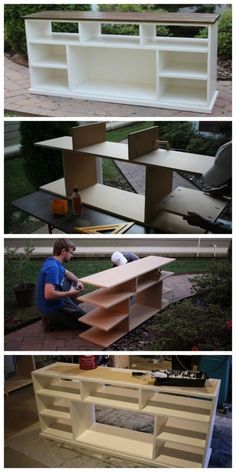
<point>103,338</point>
<point>52,392</point>
<point>103,319</point>
<point>106,298</point>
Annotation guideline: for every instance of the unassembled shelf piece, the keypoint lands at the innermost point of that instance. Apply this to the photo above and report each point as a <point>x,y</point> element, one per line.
<point>127,296</point>
<point>157,208</point>
<point>182,417</point>
<point>145,69</point>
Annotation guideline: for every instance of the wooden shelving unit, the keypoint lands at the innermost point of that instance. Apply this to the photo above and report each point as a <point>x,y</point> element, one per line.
<point>183,417</point>
<point>126,297</point>
<point>159,208</point>
<point>146,69</point>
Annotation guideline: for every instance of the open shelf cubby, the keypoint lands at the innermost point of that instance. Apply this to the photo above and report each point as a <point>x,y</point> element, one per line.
<point>160,208</point>
<point>126,68</point>
<point>180,419</point>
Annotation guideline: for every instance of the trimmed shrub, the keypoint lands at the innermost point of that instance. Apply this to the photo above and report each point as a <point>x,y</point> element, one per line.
<point>224,34</point>
<point>42,165</point>
<point>14,31</point>
<point>177,133</point>
<point>205,145</point>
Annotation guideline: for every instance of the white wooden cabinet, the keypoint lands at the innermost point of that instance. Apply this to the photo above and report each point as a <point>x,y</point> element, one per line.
<point>126,296</point>
<point>183,418</point>
<point>167,72</point>
<point>160,207</point>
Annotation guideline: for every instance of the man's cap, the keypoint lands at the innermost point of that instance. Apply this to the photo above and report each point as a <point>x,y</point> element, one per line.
<point>221,170</point>
<point>118,259</point>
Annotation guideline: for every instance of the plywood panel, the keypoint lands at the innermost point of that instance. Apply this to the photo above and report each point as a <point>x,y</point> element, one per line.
<point>64,143</point>
<point>171,223</point>
<point>109,150</point>
<point>185,161</point>
<point>117,275</point>
<point>143,17</point>
<point>182,200</point>
<point>113,200</point>
<point>158,185</point>
<point>142,142</point>
<point>86,135</point>
<point>104,319</point>
<point>78,170</point>
<point>104,338</point>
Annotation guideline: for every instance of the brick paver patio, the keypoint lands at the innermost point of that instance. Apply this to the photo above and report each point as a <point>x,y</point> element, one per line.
<point>19,100</point>
<point>34,338</point>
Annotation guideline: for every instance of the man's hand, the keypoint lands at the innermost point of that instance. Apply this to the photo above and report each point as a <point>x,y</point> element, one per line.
<point>194,219</point>
<point>79,286</point>
<point>72,293</point>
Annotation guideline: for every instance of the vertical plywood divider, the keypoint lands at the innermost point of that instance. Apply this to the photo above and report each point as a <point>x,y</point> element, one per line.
<point>78,170</point>
<point>86,135</point>
<point>158,185</point>
<point>142,142</point>
<point>151,296</point>
<point>82,416</point>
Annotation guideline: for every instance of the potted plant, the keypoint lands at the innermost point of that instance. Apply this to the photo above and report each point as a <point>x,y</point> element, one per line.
<point>25,291</point>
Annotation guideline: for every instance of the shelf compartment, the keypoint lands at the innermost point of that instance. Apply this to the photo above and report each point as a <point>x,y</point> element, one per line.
<point>140,313</point>
<point>54,413</point>
<point>57,39</point>
<point>119,440</point>
<point>178,457</point>
<point>60,429</point>
<point>152,278</point>
<point>183,65</point>
<point>179,44</point>
<point>115,41</point>
<point>49,56</point>
<point>104,338</point>
<point>115,397</point>
<point>177,406</point>
<point>183,91</point>
<point>113,72</point>
<point>49,79</point>
<point>186,433</point>
<point>182,200</point>
<point>106,319</point>
<point>108,297</point>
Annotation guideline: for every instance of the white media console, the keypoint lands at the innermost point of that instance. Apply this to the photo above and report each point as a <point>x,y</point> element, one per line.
<point>159,71</point>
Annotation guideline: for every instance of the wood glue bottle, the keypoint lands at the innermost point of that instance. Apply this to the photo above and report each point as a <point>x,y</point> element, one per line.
<point>76,201</point>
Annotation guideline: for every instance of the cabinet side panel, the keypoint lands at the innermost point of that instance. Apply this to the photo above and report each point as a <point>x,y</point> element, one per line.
<point>212,60</point>
<point>152,296</point>
<point>82,416</point>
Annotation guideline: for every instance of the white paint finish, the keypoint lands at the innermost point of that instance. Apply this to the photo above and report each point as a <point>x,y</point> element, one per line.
<point>175,442</point>
<point>124,69</point>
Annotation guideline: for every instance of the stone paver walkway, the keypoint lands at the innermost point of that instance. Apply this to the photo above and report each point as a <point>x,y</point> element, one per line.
<point>19,100</point>
<point>34,338</point>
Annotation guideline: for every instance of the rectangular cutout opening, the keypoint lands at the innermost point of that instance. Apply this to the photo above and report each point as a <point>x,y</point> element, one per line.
<point>65,27</point>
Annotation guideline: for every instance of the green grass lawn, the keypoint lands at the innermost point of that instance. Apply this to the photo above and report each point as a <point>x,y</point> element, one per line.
<point>15,316</point>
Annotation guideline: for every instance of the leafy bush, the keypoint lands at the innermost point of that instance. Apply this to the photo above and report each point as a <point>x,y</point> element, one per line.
<point>14,33</point>
<point>177,133</point>
<point>205,145</point>
<point>224,34</point>
<point>216,285</point>
<point>42,165</point>
<point>131,30</point>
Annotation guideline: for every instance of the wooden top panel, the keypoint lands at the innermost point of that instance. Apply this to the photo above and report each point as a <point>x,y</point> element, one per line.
<point>121,274</point>
<point>133,17</point>
<point>183,161</point>
<point>124,377</point>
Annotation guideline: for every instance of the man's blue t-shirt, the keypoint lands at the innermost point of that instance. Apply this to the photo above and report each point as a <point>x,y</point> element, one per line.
<point>52,272</point>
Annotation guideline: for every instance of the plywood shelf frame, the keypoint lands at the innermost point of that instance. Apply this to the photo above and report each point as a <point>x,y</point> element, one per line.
<point>79,161</point>
<point>130,295</point>
<point>183,417</point>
